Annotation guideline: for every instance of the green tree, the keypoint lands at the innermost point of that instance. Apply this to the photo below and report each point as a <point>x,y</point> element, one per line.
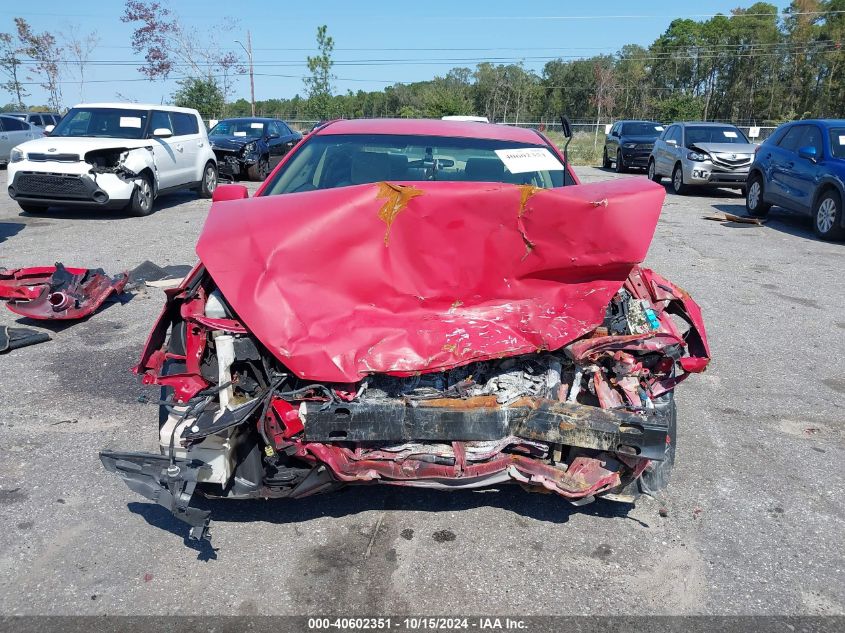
<point>318,87</point>
<point>203,95</point>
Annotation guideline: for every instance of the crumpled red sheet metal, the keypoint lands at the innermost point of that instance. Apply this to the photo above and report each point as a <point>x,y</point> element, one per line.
<point>57,292</point>
<point>386,278</point>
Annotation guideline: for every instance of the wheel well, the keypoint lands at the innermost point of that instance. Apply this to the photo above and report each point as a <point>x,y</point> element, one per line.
<point>828,186</point>
<point>146,171</point>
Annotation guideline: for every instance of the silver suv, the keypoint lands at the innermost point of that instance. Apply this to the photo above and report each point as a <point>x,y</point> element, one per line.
<point>701,154</point>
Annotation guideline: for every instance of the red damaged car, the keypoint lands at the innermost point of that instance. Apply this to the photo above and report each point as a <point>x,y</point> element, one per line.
<point>419,303</point>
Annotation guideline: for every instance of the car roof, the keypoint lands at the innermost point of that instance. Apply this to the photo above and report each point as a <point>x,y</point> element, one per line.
<point>825,122</point>
<point>638,121</point>
<point>249,118</point>
<point>705,123</point>
<point>137,106</point>
<point>432,127</point>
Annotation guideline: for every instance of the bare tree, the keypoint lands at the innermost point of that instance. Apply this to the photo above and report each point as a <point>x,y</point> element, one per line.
<point>605,95</point>
<point>167,44</point>
<point>10,67</point>
<point>79,48</point>
<point>46,56</point>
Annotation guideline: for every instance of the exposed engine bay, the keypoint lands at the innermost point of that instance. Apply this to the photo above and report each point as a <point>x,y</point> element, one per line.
<point>590,419</point>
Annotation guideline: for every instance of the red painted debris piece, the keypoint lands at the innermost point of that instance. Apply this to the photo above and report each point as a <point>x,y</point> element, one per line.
<point>57,292</point>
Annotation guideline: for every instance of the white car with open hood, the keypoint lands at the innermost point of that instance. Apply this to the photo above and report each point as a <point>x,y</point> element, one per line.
<point>114,156</point>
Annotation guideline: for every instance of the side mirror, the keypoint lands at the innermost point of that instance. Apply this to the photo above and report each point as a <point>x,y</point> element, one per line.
<point>566,126</point>
<point>808,153</point>
<point>224,193</point>
<point>162,132</point>
<point>672,142</point>
<point>49,128</point>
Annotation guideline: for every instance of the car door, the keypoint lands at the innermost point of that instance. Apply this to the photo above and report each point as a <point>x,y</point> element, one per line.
<point>662,151</point>
<point>168,163</point>
<point>276,142</point>
<point>611,143</point>
<point>289,137</point>
<point>186,138</point>
<point>5,143</point>
<point>14,133</point>
<point>801,175</point>
<point>782,158</point>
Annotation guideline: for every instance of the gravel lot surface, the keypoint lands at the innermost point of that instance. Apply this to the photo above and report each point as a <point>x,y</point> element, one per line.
<point>755,516</point>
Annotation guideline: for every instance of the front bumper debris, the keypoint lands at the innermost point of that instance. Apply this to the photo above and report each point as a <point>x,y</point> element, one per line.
<point>169,485</point>
<point>481,419</point>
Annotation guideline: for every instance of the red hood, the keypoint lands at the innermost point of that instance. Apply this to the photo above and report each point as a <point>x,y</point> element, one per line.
<point>378,278</point>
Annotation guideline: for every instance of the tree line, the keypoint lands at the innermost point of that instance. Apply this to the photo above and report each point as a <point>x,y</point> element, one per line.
<point>755,64</point>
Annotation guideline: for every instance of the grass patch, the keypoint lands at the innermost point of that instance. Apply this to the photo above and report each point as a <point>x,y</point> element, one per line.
<point>581,149</point>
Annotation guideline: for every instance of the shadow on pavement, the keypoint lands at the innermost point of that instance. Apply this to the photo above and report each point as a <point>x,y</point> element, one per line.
<point>10,229</point>
<point>356,499</point>
<point>781,220</point>
<point>166,201</point>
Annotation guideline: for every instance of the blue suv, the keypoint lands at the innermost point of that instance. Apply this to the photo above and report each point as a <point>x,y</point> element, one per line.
<point>802,167</point>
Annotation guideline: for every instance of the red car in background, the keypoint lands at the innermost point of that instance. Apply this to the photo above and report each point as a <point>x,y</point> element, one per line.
<point>419,303</point>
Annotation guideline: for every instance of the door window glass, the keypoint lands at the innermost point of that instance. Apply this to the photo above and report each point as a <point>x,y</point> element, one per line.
<point>161,120</point>
<point>184,124</point>
<point>792,140</point>
<point>813,138</point>
<point>14,125</point>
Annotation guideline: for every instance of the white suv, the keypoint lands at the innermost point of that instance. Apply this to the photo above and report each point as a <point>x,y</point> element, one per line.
<point>114,156</point>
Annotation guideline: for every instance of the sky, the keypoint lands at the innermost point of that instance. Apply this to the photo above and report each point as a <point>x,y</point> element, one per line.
<point>376,43</point>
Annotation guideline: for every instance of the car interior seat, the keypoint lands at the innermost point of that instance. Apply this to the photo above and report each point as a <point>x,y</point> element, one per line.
<point>370,167</point>
<point>484,170</point>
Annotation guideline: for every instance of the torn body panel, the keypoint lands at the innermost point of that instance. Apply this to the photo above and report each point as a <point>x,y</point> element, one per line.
<point>125,163</point>
<point>420,344</point>
<point>56,292</point>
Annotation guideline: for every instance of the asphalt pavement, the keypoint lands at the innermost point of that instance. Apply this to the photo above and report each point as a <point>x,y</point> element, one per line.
<point>753,522</point>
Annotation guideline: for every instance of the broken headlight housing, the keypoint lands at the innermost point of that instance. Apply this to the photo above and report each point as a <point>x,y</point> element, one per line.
<point>250,148</point>
<point>698,157</point>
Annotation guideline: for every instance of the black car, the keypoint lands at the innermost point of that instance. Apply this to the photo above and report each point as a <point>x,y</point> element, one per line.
<point>251,147</point>
<point>629,143</point>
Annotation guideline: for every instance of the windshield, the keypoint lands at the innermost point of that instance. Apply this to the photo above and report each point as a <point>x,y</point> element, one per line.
<point>714,134</point>
<point>837,142</point>
<point>251,129</point>
<point>335,160</point>
<point>652,130</point>
<point>103,122</point>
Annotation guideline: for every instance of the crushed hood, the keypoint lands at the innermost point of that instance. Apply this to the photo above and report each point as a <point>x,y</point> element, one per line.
<point>386,278</point>
<point>230,142</point>
<point>81,144</point>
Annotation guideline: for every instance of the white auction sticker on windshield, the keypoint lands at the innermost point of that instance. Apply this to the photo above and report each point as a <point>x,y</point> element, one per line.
<point>729,134</point>
<point>240,134</point>
<point>842,140</point>
<point>257,126</point>
<point>658,128</point>
<point>130,121</point>
<point>525,159</point>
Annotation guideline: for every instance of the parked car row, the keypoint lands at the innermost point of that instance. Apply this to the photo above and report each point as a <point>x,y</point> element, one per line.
<point>800,167</point>
<point>122,156</point>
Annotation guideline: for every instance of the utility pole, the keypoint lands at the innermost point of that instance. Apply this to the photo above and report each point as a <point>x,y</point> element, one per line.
<point>251,77</point>
<point>248,51</point>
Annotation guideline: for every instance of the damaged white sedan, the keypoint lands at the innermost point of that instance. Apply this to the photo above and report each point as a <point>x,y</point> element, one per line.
<point>114,156</point>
